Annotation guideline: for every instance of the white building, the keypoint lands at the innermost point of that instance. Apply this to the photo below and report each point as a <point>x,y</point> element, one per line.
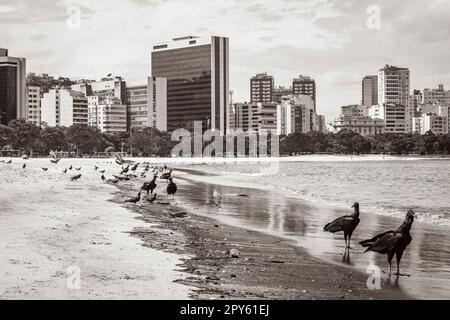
<point>296,114</point>
<point>61,107</point>
<point>394,117</point>
<point>393,89</point>
<point>434,123</point>
<point>356,119</point>
<point>34,105</point>
<point>253,116</point>
<point>157,102</point>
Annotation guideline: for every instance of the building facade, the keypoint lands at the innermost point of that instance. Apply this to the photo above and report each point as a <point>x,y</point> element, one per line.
<point>34,105</point>
<point>262,88</point>
<point>356,119</point>
<point>369,91</point>
<point>296,114</point>
<point>393,89</point>
<point>253,116</point>
<point>138,107</point>
<point>13,93</point>
<point>437,95</point>
<point>62,107</point>
<point>394,117</point>
<point>305,85</point>
<point>197,74</point>
<point>279,92</point>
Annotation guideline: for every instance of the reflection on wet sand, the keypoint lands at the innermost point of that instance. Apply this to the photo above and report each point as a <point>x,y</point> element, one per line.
<point>302,222</point>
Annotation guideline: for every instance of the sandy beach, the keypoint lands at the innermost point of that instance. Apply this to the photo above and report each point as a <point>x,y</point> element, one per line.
<point>173,249</point>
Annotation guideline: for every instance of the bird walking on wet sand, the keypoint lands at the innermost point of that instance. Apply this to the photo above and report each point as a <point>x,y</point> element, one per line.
<point>8,162</point>
<point>171,188</point>
<point>149,186</point>
<point>346,223</point>
<point>45,169</point>
<point>95,168</point>
<point>102,171</point>
<point>135,199</point>
<point>392,242</point>
<point>70,168</point>
<point>112,181</point>
<point>65,170</point>
<point>167,175</point>
<point>135,167</point>
<point>78,169</point>
<point>24,166</point>
<point>125,170</point>
<point>75,178</point>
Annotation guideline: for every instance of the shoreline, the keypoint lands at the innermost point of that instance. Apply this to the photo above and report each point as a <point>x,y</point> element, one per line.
<point>294,273</point>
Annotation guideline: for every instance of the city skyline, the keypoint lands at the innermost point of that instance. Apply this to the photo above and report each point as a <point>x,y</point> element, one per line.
<point>335,47</point>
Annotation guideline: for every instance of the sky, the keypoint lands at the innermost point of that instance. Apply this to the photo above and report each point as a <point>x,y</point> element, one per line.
<point>337,42</point>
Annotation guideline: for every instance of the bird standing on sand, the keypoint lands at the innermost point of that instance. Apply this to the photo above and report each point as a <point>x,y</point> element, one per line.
<point>392,242</point>
<point>70,168</point>
<point>78,169</point>
<point>345,223</point>
<point>8,162</point>
<point>65,170</point>
<point>135,167</point>
<point>125,170</point>
<point>75,178</point>
<point>95,168</point>
<point>24,166</point>
<point>149,186</point>
<point>167,175</point>
<point>135,199</point>
<point>112,181</point>
<point>171,188</point>
<point>45,169</point>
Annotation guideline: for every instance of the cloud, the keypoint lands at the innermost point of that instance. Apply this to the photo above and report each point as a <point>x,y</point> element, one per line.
<point>327,39</point>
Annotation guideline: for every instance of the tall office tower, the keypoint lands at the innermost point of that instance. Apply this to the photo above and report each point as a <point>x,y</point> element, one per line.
<point>280,92</point>
<point>370,91</point>
<point>254,116</point>
<point>437,95</point>
<point>62,107</point>
<point>261,88</point>
<point>157,102</point>
<point>34,105</point>
<point>13,91</point>
<point>197,73</point>
<point>393,89</point>
<point>305,85</point>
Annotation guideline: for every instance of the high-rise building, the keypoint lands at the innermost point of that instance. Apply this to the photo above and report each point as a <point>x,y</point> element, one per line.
<point>34,105</point>
<point>157,102</point>
<point>197,73</point>
<point>393,89</point>
<point>138,107</point>
<point>62,107</point>
<point>321,124</point>
<point>280,92</point>
<point>13,93</point>
<point>437,95</point>
<point>415,100</point>
<point>305,85</point>
<point>296,114</point>
<point>262,88</point>
<point>369,91</point>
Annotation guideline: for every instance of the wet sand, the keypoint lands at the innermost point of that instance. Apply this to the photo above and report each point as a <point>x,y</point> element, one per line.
<point>268,267</point>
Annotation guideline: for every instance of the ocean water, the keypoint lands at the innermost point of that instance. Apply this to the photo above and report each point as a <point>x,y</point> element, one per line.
<point>382,187</point>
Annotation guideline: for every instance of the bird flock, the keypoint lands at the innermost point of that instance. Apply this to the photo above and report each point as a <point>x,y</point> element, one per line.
<point>390,243</point>
<point>393,242</point>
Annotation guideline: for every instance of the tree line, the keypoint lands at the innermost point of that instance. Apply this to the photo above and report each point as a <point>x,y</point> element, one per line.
<point>81,139</point>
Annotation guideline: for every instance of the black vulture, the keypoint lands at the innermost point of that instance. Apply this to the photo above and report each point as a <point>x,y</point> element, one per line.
<point>135,167</point>
<point>345,223</point>
<point>135,199</point>
<point>166,175</point>
<point>70,168</point>
<point>149,186</point>
<point>65,170</point>
<point>392,242</point>
<point>171,188</point>
<point>75,178</point>
<point>24,166</point>
<point>9,161</point>
<point>45,169</point>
